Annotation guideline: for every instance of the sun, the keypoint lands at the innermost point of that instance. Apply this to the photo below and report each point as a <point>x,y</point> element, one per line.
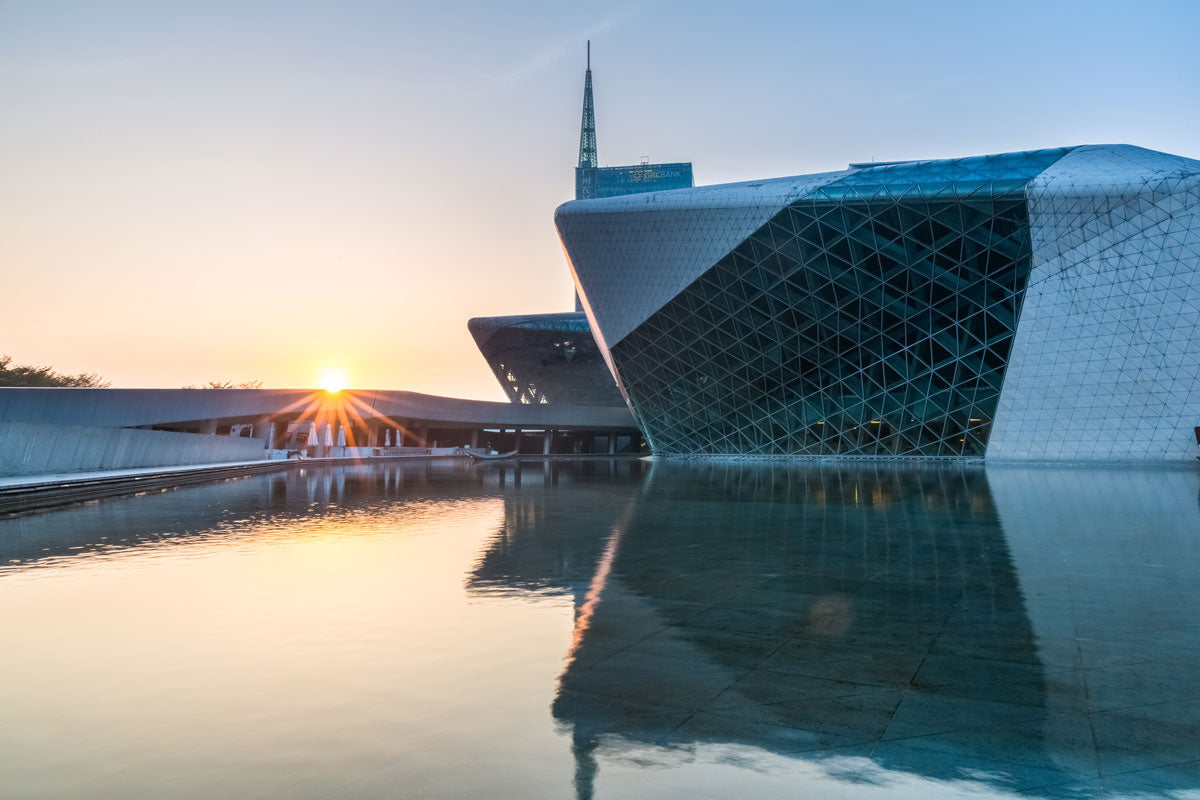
<point>333,380</point>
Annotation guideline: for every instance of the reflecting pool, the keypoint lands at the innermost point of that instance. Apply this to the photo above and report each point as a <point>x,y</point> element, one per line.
<point>610,629</point>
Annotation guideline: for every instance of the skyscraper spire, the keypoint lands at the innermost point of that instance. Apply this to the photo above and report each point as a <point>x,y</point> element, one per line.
<point>587,131</point>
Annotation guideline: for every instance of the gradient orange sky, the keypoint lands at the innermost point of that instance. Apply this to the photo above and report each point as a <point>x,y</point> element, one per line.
<point>240,190</point>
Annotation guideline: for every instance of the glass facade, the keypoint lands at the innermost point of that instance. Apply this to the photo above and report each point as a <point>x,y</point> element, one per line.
<point>872,316</point>
<point>546,358</point>
<point>596,182</point>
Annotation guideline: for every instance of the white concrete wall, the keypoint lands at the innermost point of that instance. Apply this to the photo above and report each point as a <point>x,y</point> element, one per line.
<point>28,448</point>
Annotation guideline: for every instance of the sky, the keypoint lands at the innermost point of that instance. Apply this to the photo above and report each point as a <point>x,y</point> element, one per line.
<point>206,190</point>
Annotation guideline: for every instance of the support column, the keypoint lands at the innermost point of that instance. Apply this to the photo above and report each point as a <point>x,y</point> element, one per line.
<point>474,437</point>
<point>373,433</point>
<point>208,426</point>
<point>264,430</point>
<point>547,441</point>
<point>268,436</point>
<point>517,440</point>
<point>612,443</point>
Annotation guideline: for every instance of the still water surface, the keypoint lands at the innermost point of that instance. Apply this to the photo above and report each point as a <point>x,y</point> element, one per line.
<point>609,629</point>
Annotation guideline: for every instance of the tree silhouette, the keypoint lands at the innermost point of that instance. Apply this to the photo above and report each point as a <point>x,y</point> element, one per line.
<point>226,385</point>
<point>29,375</point>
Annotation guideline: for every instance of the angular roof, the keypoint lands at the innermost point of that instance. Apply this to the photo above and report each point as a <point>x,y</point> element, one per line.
<point>631,255</point>
<point>482,328</point>
<point>682,232</point>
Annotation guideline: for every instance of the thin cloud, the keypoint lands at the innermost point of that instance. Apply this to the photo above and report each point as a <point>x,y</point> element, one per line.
<point>568,45</point>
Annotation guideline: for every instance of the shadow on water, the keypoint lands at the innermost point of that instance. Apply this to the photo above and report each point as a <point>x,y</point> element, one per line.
<point>984,628</point>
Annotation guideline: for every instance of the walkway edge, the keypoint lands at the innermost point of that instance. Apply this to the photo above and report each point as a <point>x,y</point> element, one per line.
<point>34,492</point>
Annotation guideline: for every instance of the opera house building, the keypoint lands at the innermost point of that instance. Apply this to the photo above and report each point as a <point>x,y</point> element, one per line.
<point>1037,305</point>
<point>545,358</point>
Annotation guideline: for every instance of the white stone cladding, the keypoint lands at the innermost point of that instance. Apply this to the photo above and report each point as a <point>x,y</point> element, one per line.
<point>1105,365</point>
<point>630,255</point>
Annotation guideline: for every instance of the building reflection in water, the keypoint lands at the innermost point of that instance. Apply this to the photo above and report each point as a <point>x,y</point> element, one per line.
<point>240,506</point>
<point>882,630</point>
<point>884,624</point>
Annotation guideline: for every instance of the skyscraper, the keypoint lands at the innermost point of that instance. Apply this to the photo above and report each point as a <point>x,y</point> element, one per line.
<point>554,358</point>
<point>587,129</point>
<point>592,180</point>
